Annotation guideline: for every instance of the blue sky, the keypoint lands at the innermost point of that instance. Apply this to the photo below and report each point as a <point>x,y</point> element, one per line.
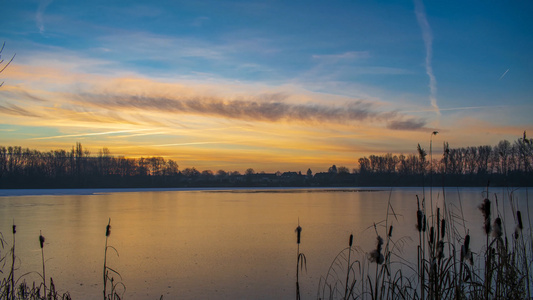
<point>223,80</point>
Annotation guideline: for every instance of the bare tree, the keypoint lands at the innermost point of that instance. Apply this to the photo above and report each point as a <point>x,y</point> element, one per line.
<point>3,63</point>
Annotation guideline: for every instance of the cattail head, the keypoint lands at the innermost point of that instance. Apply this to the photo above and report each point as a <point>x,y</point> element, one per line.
<point>465,250</point>
<point>351,240</point>
<point>390,231</point>
<point>485,210</point>
<point>519,218</point>
<point>298,233</point>
<point>379,244</point>
<point>431,235</point>
<point>424,222</point>
<point>375,255</point>
<point>108,228</point>
<point>14,228</point>
<point>519,226</point>
<point>497,228</point>
<point>41,240</point>
<point>419,220</point>
<point>442,228</point>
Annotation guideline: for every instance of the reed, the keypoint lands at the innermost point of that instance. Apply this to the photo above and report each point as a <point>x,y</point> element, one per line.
<point>41,243</point>
<point>108,272</point>
<point>446,266</point>
<point>17,289</point>
<point>301,260</point>
<point>333,286</point>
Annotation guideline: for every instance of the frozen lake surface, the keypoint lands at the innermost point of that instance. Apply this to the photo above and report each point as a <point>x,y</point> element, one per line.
<point>218,243</point>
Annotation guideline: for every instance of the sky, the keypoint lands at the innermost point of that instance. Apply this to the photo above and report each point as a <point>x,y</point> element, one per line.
<point>268,85</point>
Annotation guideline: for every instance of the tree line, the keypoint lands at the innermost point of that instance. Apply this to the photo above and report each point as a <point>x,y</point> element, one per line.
<point>503,164</point>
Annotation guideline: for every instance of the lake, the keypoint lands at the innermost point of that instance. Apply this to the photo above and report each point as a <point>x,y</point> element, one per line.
<point>219,243</point>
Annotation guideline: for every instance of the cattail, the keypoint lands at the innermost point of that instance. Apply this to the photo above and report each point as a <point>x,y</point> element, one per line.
<point>442,228</point>
<point>41,240</point>
<point>108,229</point>
<point>298,232</point>
<point>440,249</point>
<point>465,250</point>
<point>375,255</point>
<point>351,240</point>
<point>491,252</point>
<point>14,228</point>
<point>431,235</point>
<point>497,228</point>
<point>419,219</point>
<point>390,231</point>
<point>506,244</point>
<point>519,226</point>
<point>424,224</point>
<point>485,210</point>
<point>519,217</point>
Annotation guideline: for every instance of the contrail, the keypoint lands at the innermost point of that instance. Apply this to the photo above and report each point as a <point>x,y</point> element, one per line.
<point>428,40</point>
<point>86,134</point>
<point>504,73</point>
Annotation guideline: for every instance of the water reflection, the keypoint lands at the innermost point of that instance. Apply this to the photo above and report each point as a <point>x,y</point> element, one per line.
<point>222,244</point>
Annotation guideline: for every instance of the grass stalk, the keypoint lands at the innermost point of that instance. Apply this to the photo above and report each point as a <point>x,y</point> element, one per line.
<point>41,243</point>
<point>106,272</point>
<point>348,267</point>
<point>12,274</point>
<point>301,260</point>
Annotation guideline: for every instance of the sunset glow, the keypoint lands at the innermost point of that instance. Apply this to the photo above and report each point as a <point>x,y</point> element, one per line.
<point>266,85</point>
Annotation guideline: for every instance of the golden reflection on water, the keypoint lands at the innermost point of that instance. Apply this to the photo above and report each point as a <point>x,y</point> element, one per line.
<point>206,244</point>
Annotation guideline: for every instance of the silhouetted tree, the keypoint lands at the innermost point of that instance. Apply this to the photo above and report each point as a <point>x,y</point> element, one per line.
<point>364,165</point>
<point>191,172</point>
<point>332,169</point>
<point>343,170</point>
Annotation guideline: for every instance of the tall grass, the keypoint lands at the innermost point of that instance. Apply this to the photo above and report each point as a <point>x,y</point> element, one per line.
<point>12,288</point>
<point>446,266</point>
<point>17,289</point>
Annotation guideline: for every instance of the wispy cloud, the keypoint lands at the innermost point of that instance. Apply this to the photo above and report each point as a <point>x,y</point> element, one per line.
<point>137,102</point>
<point>199,21</point>
<point>187,144</point>
<point>427,36</point>
<point>12,109</point>
<point>350,55</point>
<point>268,107</point>
<point>39,16</point>
<point>411,124</point>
